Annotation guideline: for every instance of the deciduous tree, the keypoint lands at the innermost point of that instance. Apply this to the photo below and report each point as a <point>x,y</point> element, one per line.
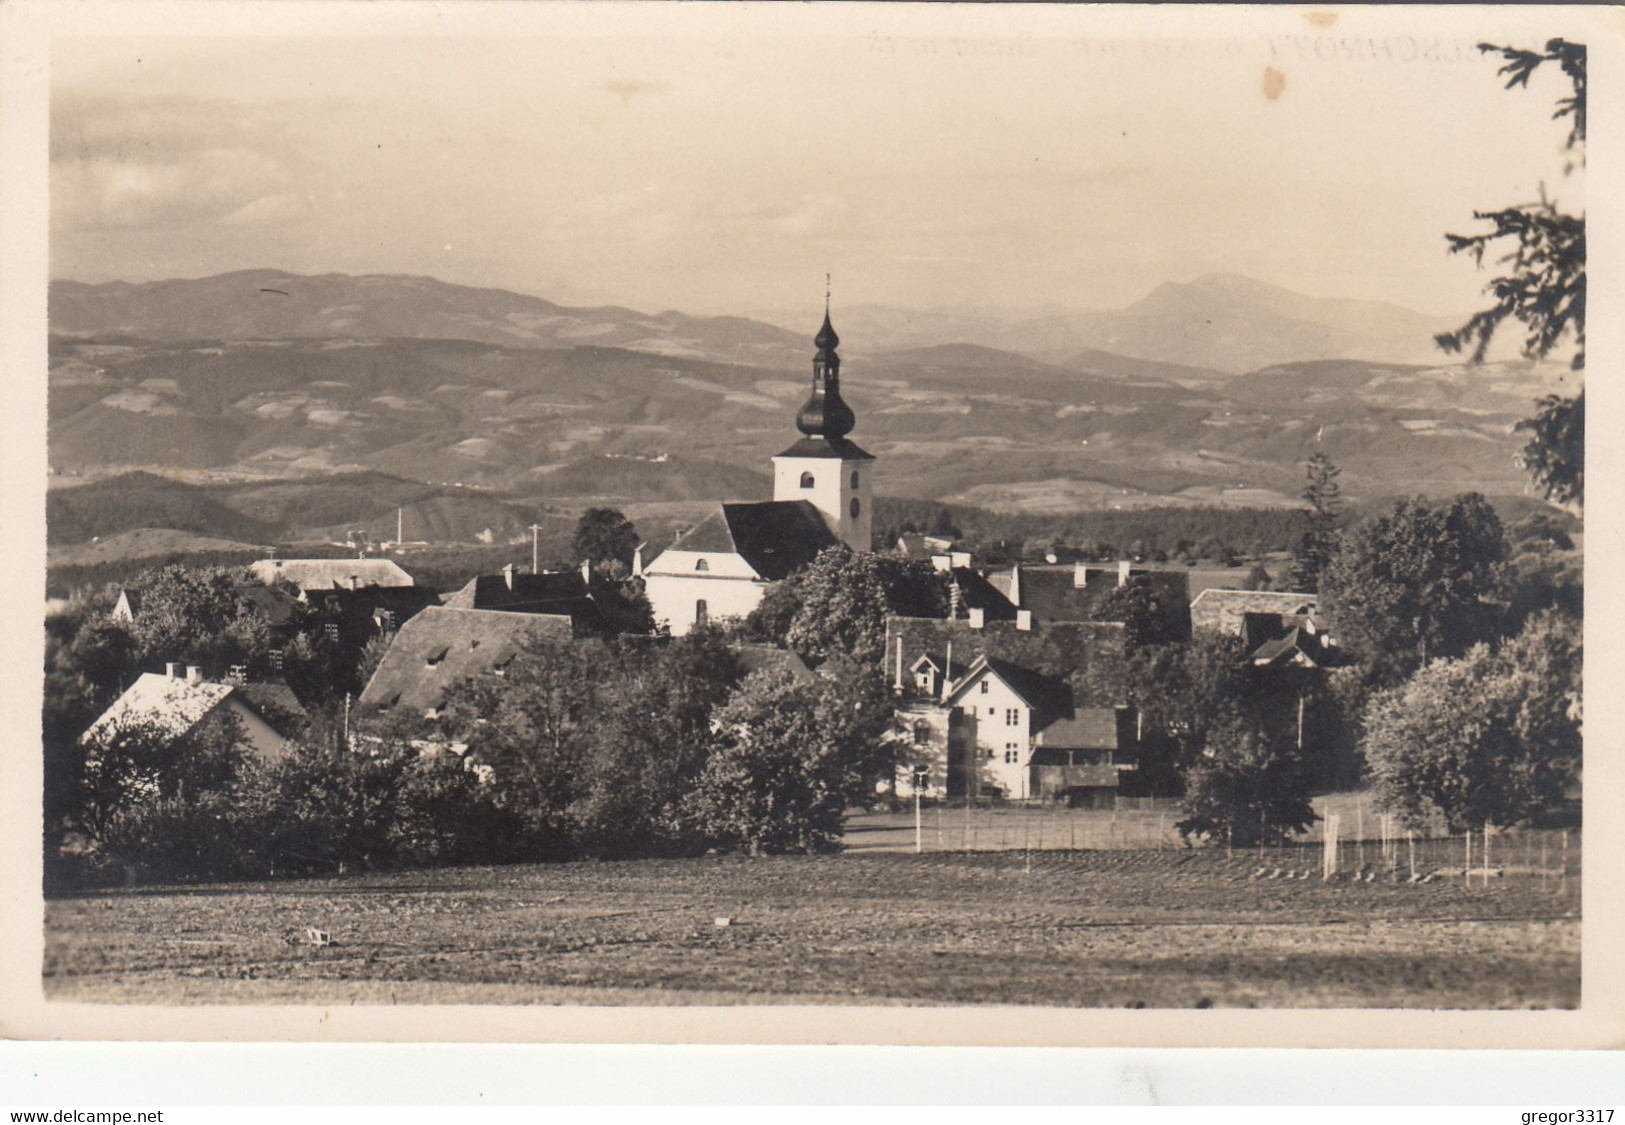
<point>1412,583</point>
<point>1492,736</point>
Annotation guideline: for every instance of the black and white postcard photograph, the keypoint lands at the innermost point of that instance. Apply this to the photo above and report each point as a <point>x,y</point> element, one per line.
<point>920,523</point>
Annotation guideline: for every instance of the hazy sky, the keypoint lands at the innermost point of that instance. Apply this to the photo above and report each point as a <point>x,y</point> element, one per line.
<point>715,172</point>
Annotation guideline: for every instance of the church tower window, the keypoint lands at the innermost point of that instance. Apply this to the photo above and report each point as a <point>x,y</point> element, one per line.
<point>806,480</point>
<point>854,478</point>
<point>856,507</point>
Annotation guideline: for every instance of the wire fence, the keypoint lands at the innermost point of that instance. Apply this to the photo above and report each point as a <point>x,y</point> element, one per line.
<point>1348,840</point>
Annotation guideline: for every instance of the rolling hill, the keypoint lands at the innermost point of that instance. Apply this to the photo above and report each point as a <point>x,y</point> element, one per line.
<point>473,429</point>
<point>268,304</point>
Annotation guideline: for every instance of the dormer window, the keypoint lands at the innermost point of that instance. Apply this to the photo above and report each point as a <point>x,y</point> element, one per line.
<point>436,657</point>
<point>702,564</point>
<point>806,480</point>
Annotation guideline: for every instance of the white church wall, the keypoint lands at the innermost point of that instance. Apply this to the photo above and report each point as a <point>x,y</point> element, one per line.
<point>674,599</point>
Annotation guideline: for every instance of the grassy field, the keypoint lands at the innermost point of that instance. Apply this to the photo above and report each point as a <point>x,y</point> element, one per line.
<point>1162,929</point>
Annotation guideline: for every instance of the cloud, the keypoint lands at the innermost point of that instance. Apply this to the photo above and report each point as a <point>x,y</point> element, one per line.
<point>270,209</point>
<point>156,161</point>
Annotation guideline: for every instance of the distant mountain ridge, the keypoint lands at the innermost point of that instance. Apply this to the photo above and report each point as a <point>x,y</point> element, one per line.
<point>269,304</point>
<point>1223,323</point>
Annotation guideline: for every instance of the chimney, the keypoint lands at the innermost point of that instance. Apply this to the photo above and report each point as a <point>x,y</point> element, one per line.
<point>194,674</point>
<point>1080,575</point>
<point>172,671</point>
<point>1015,584</point>
<point>353,581</point>
<point>978,617</point>
<point>948,672</point>
<point>507,574</point>
<point>1122,572</point>
<point>1024,620</point>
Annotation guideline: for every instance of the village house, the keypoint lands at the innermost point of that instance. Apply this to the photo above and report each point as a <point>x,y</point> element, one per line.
<point>566,592</point>
<point>178,700</point>
<point>999,729</point>
<point>821,497</point>
<point>1000,708</point>
<point>1277,627</point>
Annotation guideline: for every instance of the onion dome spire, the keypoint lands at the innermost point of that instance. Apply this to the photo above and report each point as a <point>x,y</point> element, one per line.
<point>824,414</point>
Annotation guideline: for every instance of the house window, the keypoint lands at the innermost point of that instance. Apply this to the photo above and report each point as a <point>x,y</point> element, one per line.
<point>702,564</point>
<point>1011,757</point>
<point>854,478</point>
<point>856,507</point>
<point>806,480</point>
<point>332,630</point>
<point>699,612</point>
<point>984,687</point>
<point>1012,717</point>
<point>992,710</point>
<point>922,734</point>
<point>923,681</point>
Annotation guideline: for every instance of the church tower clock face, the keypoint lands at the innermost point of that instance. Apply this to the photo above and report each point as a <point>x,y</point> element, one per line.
<point>825,468</point>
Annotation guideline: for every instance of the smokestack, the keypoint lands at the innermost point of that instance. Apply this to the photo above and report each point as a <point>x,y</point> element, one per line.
<point>899,684</point>
<point>1122,572</point>
<point>400,526</point>
<point>637,560</point>
<point>194,674</point>
<point>507,574</point>
<point>948,671</point>
<point>1080,575</point>
<point>1015,584</point>
<point>172,671</point>
<point>586,571</point>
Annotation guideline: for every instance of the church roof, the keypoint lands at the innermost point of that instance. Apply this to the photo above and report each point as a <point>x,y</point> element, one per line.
<point>826,339</point>
<point>828,447</point>
<point>774,537</point>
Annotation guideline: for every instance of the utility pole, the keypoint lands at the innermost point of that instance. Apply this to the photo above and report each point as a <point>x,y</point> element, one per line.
<point>535,548</point>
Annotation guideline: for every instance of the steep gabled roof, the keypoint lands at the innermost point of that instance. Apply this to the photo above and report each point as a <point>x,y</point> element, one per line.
<point>275,702</point>
<point>1226,610</point>
<point>565,592</point>
<point>331,574</point>
<point>1087,728</point>
<point>441,646</point>
<point>976,592</point>
<point>774,537</point>
<point>273,603</point>
<point>171,704</point>
<point>756,658</point>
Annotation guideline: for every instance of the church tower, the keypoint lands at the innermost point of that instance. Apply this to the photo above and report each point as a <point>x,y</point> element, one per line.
<point>825,468</point>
